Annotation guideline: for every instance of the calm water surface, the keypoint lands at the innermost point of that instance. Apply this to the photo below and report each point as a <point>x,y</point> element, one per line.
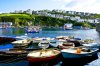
<point>83,34</point>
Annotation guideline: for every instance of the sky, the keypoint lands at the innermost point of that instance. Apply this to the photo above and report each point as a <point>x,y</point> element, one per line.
<point>91,6</point>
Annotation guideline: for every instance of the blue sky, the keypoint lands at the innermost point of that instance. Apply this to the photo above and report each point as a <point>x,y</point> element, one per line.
<point>91,6</point>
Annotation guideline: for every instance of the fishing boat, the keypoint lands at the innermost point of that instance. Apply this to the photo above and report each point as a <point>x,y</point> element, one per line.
<point>92,45</point>
<point>68,26</point>
<point>21,43</point>
<point>39,39</point>
<point>43,55</point>
<point>66,45</point>
<point>78,52</point>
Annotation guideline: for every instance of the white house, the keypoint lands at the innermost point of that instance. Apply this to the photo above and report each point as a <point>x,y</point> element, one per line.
<point>5,24</point>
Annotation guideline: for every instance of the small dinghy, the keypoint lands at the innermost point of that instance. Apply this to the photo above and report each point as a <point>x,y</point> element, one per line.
<point>54,43</point>
<point>15,52</point>
<point>78,52</point>
<point>43,55</point>
<point>92,45</point>
<point>66,45</point>
<point>38,40</point>
<point>86,41</point>
<point>21,43</point>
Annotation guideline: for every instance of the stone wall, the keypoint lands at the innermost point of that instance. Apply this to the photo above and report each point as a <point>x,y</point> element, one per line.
<point>98,27</point>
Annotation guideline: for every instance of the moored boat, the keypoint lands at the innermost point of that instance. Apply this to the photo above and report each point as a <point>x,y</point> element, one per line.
<point>66,38</point>
<point>21,43</point>
<point>39,39</point>
<point>92,45</point>
<point>14,52</point>
<point>44,44</point>
<point>6,39</point>
<point>78,52</point>
<point>8,55</point>
<point>32,29</point>
<point>66,45</point>
<point>62,37</point>
<point>87,41</point>
<point>43,55</point>
<point>22,37</point>
<point>54,43</point>
<point>68,26</point>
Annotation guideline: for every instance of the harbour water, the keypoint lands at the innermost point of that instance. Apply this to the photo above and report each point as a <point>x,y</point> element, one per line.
<point>83,34</point>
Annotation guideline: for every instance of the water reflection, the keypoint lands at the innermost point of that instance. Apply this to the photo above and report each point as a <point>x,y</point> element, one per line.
<point>12,31</point>
<point>7,31</point>
<point>18,31</point>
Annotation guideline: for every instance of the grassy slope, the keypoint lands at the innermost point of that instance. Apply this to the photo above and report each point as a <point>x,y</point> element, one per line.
<point>15,15</point>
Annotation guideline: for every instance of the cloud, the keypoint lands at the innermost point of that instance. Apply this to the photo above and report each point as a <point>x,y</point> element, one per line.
<point>63,1</point>
<point>91,6</point>
<point>71,4</point>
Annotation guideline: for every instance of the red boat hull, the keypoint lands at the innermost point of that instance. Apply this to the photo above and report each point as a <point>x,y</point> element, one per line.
<point>30,59</point>
<point>65,47</point>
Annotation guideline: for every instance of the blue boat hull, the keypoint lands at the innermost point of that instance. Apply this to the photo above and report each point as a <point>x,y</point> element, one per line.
<point>32,32</point>
<point>75,55</point>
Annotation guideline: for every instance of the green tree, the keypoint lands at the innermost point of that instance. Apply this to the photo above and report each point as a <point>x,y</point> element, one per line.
<point>86,24</point>
<point>17,21</point>
<point>0,19</point>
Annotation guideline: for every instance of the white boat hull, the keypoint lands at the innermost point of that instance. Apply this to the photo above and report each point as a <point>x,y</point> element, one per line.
<point>56,44</point>
<point>43,55</point>
<point>92,45</point>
